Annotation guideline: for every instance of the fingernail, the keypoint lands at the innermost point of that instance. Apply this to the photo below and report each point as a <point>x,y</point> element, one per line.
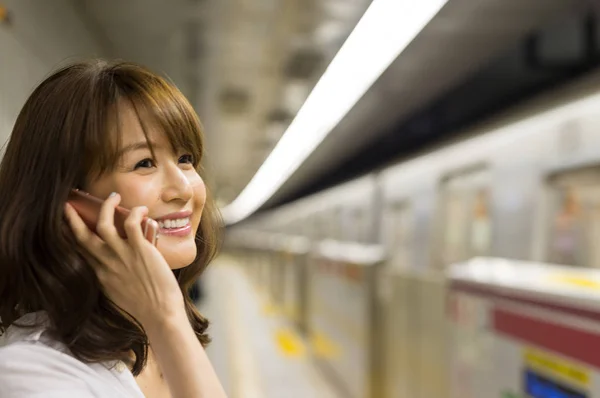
<point>112,194</point>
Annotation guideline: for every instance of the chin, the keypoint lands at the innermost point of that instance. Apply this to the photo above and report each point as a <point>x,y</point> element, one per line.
<point>180,264</point>
<point>178,257</point>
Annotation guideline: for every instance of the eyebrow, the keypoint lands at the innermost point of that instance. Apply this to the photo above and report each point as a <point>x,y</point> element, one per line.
<point>136,146</point>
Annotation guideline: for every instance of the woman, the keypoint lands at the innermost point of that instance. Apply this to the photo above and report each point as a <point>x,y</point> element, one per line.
<point>89,314</point>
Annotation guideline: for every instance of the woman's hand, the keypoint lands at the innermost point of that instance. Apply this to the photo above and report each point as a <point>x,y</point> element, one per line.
<point>133,273</point>
<point>136,277</point>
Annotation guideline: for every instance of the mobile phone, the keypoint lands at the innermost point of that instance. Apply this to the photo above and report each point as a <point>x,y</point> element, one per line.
<point>88,208</point>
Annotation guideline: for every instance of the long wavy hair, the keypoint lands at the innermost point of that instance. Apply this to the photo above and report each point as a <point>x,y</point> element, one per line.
<point>60,140</point>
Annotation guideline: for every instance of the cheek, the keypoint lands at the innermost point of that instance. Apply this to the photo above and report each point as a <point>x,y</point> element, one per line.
<point>138,193</point>
<point>199,198</point>
<point>134,191</point>
<point>199,193</point>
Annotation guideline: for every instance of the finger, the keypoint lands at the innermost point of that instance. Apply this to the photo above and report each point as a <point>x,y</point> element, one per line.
<point>91,260</point>
<point>106,223</point>
<point>133,225</point>
<point>100,269</point>
<point>87,238</point>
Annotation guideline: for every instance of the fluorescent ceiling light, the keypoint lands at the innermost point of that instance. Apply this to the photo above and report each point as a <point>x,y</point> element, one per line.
<point>383,32</point>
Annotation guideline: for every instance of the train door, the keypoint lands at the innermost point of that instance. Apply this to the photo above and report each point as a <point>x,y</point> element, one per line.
<point>335,225</point>
<point>395,298</point>
<point>310,226</point>
<point>398,234</point>
<point>466,218</point>
<point>359,218</point>
<point>574,224</point>
<point>354,224</point>
<point>322,225</point>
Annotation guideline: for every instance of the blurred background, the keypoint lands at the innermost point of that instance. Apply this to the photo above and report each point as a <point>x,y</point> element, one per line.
<point>411,189</point>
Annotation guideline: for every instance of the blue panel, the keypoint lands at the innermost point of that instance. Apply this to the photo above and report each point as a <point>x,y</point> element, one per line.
<point>537,386</point>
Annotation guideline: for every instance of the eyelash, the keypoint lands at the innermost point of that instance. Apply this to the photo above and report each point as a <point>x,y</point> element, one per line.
<point>139,164</point>
<point>189,157</point>
<point>189,160</point>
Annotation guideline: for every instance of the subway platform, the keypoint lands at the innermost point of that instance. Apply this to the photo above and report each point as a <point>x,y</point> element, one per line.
<point>254,350</point>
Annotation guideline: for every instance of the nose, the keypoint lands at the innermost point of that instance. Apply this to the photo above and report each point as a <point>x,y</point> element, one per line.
<point>176,185</point>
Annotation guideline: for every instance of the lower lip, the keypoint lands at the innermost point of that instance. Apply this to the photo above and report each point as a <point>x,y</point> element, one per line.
<point>183,231</point>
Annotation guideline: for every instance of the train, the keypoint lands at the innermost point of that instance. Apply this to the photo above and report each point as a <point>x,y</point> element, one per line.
<point>360,268</point>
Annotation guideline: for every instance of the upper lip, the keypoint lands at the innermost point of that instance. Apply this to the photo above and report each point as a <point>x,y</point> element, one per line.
<point>175,216</point>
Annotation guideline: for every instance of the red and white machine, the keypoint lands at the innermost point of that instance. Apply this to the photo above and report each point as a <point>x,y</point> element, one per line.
<point>524,330</point>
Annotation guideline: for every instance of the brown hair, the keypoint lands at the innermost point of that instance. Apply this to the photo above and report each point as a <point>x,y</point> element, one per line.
<point>60,140</point>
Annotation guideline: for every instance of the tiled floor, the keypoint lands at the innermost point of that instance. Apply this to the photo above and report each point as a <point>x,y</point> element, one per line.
<point>254,351</point>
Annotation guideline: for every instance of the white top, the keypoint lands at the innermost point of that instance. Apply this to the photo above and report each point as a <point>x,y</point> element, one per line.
<point>32,365</point>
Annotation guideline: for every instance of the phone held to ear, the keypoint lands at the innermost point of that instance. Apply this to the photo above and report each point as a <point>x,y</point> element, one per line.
<point>88,208</point>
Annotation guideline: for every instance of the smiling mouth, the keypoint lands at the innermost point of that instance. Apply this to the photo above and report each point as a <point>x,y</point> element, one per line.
<point>180,227</point>
<point>174,224</point>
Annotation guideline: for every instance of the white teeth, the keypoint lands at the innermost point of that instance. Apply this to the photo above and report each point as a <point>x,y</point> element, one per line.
<point>179,223</point>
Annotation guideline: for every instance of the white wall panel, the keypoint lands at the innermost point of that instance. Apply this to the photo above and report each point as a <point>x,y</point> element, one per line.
<point>42,36</point>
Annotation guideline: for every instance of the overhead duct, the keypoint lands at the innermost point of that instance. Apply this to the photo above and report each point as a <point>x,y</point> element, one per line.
<point>234,101</point>
<point>303,64</point>
<point>279,116</point>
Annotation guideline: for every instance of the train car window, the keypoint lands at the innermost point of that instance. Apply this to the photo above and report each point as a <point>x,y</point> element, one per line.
<point>328,225</point>
<point>296,228</point>
<point>335,226</point>
<point>347,225</point>
<point>354,226</point>
<point>360,221</point>
<point>303,227</point>
<point>480,228</point>
<point>574,228</point>
<point>325,225</point>
<point>398,230</point>
<point>320,224</point>
<point>466,219</point>
<point>310,226</point>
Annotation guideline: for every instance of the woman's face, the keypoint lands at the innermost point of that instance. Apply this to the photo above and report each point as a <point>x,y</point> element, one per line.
<point>169,187</point>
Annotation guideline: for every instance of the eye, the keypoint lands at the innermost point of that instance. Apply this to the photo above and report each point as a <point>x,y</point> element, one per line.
<point>146,163</point>
<point>186,159</point>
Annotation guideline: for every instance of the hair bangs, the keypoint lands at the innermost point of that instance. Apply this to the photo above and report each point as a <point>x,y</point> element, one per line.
<point>101,145</point>
<point>157,103</point>
<point>160,105</point>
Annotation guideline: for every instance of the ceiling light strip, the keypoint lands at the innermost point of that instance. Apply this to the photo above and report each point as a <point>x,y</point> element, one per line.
<point>383,32</point>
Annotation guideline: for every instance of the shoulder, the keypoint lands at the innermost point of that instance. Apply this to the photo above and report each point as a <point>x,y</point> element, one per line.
<point>32,364</point>
<point>28,369</point>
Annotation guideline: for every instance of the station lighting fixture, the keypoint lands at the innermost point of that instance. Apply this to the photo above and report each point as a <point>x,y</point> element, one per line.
<point>383,32</point>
